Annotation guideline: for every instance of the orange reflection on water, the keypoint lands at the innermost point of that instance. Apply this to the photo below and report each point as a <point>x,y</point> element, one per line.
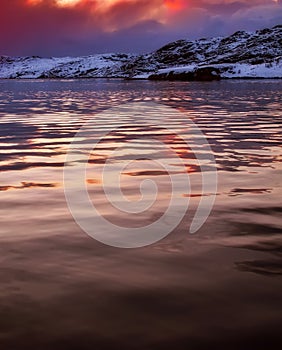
<point>93,181</point>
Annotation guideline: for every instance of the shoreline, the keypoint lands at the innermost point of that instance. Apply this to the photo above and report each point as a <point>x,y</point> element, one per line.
<point>139,79</point>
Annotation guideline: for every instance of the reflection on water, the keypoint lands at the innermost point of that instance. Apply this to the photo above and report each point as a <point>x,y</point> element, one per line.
<point>71,292</point>
<point>25,185</point>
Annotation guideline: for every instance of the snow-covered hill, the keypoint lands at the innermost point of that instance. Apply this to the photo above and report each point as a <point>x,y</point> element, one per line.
<point>64,67</point>
<point>243,54</point>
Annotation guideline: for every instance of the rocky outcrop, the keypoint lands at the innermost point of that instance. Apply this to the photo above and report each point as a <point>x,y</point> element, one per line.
<point>198,74</point>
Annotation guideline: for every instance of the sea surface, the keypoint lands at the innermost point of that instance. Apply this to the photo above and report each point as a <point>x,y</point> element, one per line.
<point>220,287</point>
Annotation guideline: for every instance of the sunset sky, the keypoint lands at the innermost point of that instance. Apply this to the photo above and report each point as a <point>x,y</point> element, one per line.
<point>81,27</point>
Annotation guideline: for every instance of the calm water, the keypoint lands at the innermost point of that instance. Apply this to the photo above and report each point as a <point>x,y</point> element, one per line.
<point>60,289</point>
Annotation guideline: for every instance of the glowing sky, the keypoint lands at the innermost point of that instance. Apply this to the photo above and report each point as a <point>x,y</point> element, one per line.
<point>79,27</point>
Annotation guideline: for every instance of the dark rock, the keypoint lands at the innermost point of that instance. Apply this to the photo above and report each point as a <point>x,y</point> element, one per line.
<point>199,74</point>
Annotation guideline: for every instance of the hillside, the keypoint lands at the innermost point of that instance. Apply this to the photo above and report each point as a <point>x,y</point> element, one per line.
<point>243,54</point>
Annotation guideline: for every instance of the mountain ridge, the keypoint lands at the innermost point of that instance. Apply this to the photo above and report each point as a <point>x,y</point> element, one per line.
<point>241,55</point>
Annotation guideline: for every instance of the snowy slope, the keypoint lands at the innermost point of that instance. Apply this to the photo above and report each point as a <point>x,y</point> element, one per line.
<point>243,54</point>
<point>66,67</point>
<point>226,70</point>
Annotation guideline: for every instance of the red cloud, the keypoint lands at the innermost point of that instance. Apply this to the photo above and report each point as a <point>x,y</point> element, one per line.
<point>175,5</point>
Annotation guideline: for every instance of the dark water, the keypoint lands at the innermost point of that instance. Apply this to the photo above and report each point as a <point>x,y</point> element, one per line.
<point>219,288</point>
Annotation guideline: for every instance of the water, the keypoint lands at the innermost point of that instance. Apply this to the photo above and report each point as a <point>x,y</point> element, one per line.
<point>222,286</point>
